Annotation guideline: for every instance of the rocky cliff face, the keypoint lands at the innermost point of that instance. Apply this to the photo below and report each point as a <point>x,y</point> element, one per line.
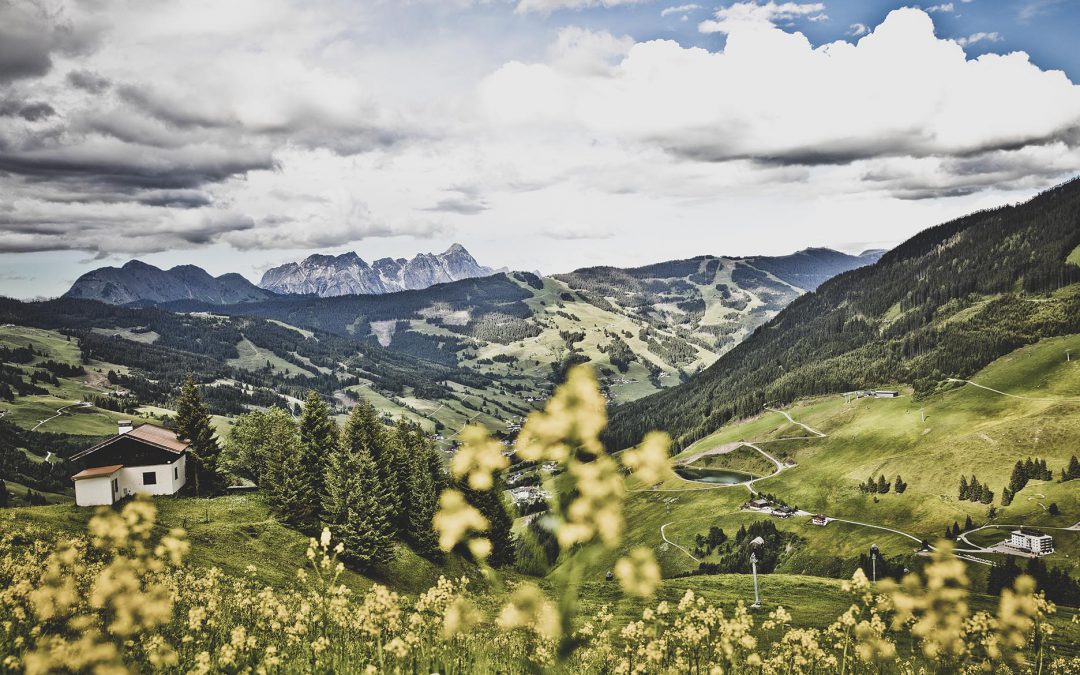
<point>348,274</point>
<point>139,282</point>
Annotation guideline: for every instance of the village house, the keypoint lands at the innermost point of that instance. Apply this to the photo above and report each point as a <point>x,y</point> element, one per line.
<point>820,519</point>
<point>1031,541</point>
<point>147,460</point>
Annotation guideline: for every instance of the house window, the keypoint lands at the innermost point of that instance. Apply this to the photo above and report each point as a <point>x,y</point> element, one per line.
<point>115,486</point>
<point>175,473</point>
<point>149,478</point>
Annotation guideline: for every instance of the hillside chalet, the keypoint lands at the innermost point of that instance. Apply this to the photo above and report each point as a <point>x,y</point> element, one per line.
<point>147,459</point>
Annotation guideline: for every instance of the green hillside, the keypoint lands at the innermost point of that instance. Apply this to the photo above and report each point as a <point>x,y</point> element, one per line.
<point>943,304</point>
<point>959,429</point>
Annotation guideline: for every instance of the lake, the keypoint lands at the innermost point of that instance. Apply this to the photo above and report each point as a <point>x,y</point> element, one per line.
<point>719,476</point>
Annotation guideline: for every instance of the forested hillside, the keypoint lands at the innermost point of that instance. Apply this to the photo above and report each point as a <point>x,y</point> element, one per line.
<point>945,303</point>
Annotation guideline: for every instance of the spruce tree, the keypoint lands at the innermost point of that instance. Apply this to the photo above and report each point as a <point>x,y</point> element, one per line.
<point>968,525</point>
<point>385,452</point>
<point>493,506</point>
<point>1074,468</point>
<point>900,486</point>
<point>319,437</point>
<point>419,497</point>
<point>193,426</point>
<point>355,505</point>
<point>5,500</point>
<point>963,488</point>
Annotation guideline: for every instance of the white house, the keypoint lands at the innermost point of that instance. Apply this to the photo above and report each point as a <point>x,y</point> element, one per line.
<point>148,460</point>
<point>1032,541</point>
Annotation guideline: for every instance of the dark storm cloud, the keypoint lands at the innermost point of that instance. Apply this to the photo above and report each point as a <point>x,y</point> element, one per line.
<point>30,34</point>
<point>129,169</point>
<point>31,111</point>
<point>88,81</point>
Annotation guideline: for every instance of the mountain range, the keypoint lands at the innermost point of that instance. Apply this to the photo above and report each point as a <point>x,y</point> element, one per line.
<point>138,282</point>
<point>348,274</point>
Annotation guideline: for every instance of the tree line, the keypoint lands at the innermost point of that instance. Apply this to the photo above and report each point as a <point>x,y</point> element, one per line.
<point>370,484</point>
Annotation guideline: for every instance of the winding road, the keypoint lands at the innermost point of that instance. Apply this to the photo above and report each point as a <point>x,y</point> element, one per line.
<point>780,467</point>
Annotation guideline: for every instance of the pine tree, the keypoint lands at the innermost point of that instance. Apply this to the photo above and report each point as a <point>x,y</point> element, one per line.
<point>882,484</point>
<point>955,529</point>
<point>493,506</point>
<point>355,506</point>
<point>963,488</point>
<point>295,499</point>
<point>968,525</point>
<point>1018,479</point>
<point>319,437</point>
<point>1074,468</point>
<point>193,426</point>
<point>1006,497</point>
<point>899,485</point>
<point>1053,509</point>
<point>387,455</point>
<point>5,500</point>
<point>419,497</point>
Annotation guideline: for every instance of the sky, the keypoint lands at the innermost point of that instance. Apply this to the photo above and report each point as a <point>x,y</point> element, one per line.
<point>543,135</point>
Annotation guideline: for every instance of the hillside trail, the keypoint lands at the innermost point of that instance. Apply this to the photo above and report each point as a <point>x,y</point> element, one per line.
<point>59,412</point>
<point>1025,398</point>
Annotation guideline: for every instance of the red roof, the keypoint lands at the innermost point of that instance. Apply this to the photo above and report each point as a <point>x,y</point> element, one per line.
<point>147,433</point>
<point>159,436</point>
<point>98,471</point>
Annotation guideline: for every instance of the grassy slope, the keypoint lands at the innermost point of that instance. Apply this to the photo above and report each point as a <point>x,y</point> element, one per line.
<point>27,411</point>
<point>967,430</point>
<point>241,533</point>
<point>1074,257</point>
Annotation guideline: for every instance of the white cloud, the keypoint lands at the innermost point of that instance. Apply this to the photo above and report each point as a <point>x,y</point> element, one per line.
<point>679,9</point>
<point>744,15</point>
<point>404,136</point>
<point>978,37</point>
<point>948,8</point>
<point>548,6</point>
<point>858,29</point>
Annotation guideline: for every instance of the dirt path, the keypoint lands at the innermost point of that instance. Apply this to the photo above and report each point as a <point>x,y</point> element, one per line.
<point>1025,398</point>
<point>789,419</point>
<point>59,412</point>
<point>668,541</point>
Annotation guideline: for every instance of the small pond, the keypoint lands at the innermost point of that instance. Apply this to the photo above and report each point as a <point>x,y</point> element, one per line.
<point>720,476</point>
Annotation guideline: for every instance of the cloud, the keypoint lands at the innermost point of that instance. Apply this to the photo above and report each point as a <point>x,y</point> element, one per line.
<point>978,37</point>
<point>32,32</point>
<point>88,81</point>
<point>946,7</point>
<point>548,6</point>
<point>858,29</point>
<point>164,131</point>
<point>679,9</point>
<point>914,95</point>
<point>747,15</point>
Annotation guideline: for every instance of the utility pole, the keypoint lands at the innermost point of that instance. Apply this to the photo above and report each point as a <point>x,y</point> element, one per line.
<point>1067,357</point>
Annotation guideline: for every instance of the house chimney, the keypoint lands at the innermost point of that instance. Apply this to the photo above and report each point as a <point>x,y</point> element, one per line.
<point>124,426</point>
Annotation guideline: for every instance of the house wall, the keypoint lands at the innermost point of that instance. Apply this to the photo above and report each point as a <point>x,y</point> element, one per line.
<point>168,480</point>
<point>94,491</point>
